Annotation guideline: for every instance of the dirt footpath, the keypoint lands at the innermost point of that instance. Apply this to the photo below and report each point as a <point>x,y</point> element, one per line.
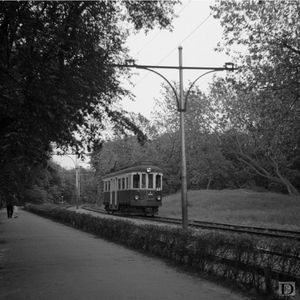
<point>42,260</point>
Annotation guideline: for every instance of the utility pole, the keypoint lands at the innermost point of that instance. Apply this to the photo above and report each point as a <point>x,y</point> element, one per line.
<point>184,200</point>
<point>77,183</point>
<point>77,174</point>
<point>181,106</point>
<point>76,178</point>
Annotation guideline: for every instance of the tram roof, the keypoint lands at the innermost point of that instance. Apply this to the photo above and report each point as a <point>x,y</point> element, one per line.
<point>141,167</point>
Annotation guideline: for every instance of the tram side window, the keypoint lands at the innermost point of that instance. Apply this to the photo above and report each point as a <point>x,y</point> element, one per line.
<point>119,184</point>
<point>126,182</point>
<point>143,181</point>
<point>150,181</point>
<point>136,181</point>
<point>108,185</point>
<point>123,183</point>
<point>158,181</point>
<point>129,181</point>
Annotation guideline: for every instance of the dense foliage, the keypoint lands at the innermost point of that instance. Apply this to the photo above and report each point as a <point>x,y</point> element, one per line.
<point>56,75</point>
<point>65,186</point>
<point>57,185</point>
<point>259,107</point>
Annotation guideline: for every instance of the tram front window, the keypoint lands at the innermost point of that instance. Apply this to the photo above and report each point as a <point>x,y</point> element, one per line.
<point>150,181</point>
<point>136,181</point>
<point>143,181</point>
<point>158,182</point>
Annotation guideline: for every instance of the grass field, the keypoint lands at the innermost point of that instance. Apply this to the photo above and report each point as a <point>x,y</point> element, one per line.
<point>238,207</point>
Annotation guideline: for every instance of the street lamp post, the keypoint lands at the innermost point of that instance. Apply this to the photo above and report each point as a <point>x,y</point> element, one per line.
<point>76,179</point>
<point>181,105</point>
<point>77,183</point>
<point>183,172</point>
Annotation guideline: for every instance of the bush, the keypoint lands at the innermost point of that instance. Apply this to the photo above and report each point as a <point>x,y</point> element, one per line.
<point>256,263</point>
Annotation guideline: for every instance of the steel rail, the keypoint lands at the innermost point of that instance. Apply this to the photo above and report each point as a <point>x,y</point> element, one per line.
<point>254,230</point>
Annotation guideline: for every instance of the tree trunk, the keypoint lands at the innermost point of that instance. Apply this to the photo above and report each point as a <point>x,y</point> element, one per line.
<point>210,179</point>
<point>254,165</point>
<point>291,189</point>
<point>260,170</point>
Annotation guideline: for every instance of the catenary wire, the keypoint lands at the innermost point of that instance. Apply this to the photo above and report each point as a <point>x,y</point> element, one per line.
<point>158,33</point>
<point>173,50</point>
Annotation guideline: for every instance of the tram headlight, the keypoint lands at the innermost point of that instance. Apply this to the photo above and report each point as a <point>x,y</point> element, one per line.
<point>158,197</point>
<point>136,197</point>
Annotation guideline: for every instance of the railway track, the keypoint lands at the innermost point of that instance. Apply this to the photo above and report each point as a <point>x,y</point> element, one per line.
<point>254,230</point>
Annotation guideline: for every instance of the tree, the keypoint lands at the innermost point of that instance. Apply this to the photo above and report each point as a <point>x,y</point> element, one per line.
<point>206,165</point>
<point>40,185</point>
<point>118,153</point>
<point>260,106</point>
<point>255,141</point>
<point>89,186</point>
<point>56,74</point>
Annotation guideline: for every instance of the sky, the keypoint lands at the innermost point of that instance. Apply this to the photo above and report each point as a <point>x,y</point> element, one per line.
<point>70,161</point>
<point>196,31</point>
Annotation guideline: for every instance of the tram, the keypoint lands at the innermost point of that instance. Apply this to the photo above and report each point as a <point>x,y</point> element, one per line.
<point>134,190</point>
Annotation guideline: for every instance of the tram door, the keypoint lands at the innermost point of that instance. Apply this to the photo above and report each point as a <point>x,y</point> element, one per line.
<point>113,194</point>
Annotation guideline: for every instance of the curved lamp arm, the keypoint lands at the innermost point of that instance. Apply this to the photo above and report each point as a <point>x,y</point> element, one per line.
<point>172,87</point>
<point>75,164</point>
<point>191,86</point>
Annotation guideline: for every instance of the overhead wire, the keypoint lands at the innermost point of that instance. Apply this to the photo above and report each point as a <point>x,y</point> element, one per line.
<point>174,48</point>
<point>151,41</point>
<point>159,32</point>
<point>184,39</point>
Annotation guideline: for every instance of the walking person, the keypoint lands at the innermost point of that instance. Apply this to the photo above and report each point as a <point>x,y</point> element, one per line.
<point>14,202</point>
<point>15,211</point>
<point>11,204</point>
<point>10,209</point>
